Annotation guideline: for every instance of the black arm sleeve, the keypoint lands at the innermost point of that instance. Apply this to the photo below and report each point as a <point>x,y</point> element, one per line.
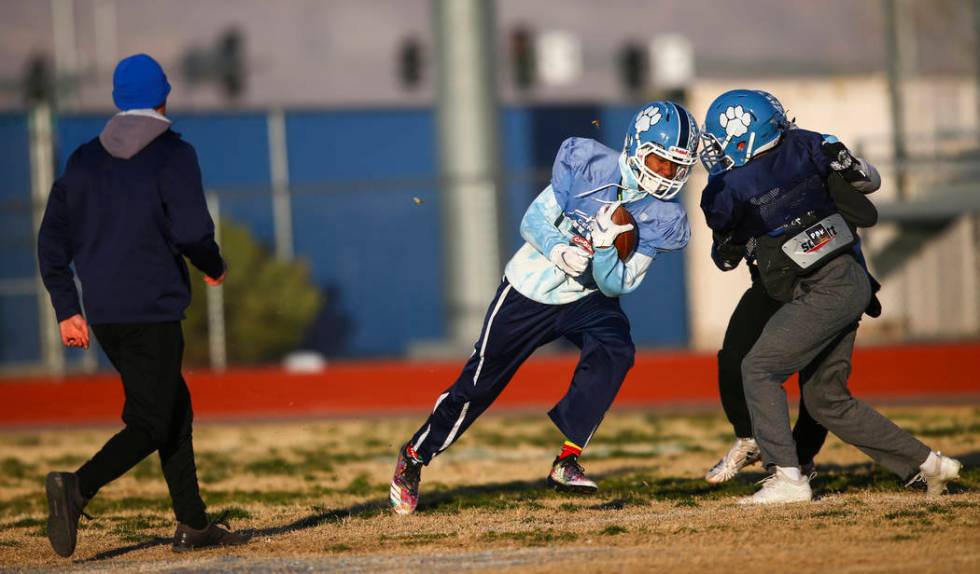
<point>856,208</point>
<point>54,255</point>
<point>190,222</point>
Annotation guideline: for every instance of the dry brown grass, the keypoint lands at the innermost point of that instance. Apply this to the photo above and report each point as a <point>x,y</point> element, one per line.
<point>314,493</point>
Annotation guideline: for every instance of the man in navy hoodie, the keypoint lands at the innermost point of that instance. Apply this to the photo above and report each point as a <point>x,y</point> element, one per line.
<point>127,211</point>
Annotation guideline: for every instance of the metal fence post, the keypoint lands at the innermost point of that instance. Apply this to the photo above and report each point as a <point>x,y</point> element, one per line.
<point>42,178</point>
<point>217,348</point>
<point>282,216</point>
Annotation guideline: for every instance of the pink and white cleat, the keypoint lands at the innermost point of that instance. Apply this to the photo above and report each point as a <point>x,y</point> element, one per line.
<point>567,475</point>
<point>404,494</point>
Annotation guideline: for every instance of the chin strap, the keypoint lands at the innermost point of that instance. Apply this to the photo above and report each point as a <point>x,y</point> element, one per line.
<point>619,192</point>
<point>628,191</point>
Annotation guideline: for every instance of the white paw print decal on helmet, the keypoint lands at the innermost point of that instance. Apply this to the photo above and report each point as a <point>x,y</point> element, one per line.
<point>647,119</point>
<point>735,120</point>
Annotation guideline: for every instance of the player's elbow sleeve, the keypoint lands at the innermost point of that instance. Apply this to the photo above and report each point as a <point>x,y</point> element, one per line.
<point>873,181</point>
<point>608,288</point>
<point>610,273</point>
<point>538,224</point>
<point>531,227</point>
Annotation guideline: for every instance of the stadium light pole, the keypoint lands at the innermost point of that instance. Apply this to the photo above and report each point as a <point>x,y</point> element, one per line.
<point>105,31</point>
<point>897,38</point>
<point>469,160</point>
<point>976,44</point>
<point>66,54</point>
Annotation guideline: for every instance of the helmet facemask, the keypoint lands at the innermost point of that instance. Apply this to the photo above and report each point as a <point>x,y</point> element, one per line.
<point>713,155</point>
<point>657,185</point>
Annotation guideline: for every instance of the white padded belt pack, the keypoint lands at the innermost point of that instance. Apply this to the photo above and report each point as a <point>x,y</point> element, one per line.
<point>819,242</point>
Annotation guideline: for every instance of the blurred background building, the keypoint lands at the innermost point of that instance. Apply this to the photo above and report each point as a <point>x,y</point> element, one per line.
<point>318,125</point>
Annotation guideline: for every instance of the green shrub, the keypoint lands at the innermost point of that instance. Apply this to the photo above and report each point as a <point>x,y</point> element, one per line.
<point>268,303</point>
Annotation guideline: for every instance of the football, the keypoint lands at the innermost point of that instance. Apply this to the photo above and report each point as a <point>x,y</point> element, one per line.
<point>627,241</point>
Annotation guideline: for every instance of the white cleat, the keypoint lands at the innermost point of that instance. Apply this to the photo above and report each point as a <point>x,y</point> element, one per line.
<point>744,452</point>
<point>949,470</point>
<point>778,488</point>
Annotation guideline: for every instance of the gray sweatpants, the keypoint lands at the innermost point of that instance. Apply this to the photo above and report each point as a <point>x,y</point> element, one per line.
<point>814,334</point>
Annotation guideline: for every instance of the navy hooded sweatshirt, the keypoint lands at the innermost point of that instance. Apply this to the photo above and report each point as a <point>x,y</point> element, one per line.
<point>128,209</point>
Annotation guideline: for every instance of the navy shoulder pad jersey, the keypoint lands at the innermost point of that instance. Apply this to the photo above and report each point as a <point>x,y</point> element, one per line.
<point>771,190</point>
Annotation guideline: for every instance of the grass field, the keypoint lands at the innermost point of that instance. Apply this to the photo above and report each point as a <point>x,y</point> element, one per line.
<point>314,493</point>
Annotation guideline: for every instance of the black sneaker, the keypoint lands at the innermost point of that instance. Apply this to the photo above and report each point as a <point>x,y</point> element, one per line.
<point>404,493</point>
<point>187,538</point>
<point>65,506</point>
<point>567,475</point>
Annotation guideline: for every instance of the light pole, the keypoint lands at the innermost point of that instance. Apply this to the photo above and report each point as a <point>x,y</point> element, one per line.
<point>469,160</point>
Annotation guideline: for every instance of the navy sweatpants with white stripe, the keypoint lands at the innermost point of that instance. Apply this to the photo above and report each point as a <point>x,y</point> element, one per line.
<point>513,329</point>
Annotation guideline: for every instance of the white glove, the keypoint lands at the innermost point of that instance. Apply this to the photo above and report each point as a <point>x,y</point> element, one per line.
<point>571,259</point>
<point>604,231</point>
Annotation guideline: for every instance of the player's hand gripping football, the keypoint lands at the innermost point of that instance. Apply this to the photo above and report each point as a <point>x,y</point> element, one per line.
<point>604,231</point>
<point>572,259</point>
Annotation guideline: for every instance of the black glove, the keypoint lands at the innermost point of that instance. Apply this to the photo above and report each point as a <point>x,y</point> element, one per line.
<point>843,162</point>
<point>725,253</point>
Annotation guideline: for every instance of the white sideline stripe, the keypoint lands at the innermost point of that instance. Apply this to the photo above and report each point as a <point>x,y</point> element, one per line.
<point>422,438</point>
<point>452,433</point>
<point>486,333</point>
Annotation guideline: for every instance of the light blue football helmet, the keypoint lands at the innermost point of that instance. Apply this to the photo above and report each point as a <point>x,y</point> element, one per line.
<point>669,131</point>
<point>739,125</point>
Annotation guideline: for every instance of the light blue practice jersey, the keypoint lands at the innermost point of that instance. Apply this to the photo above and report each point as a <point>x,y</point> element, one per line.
<point>587,175</point>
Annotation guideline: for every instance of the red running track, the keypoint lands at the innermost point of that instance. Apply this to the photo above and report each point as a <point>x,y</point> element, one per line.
<point>918,373</point>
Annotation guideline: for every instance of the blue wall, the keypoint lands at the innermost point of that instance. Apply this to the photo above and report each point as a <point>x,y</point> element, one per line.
<point>355,220</point>
<point>354,174</point>
<point>18,313</point>
<point>16,223</point>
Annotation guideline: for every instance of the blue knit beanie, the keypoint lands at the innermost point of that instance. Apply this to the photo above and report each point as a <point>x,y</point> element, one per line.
<point>139,83</point>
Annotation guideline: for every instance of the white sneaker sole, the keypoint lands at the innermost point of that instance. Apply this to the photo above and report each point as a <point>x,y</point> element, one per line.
<point>750,501</point>
<point>939,490</point>
<point>573,488</point>
<point>725,476</point>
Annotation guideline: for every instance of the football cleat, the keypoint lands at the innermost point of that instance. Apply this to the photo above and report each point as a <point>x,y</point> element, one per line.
<point>744,452</point>
<point>404,494</point>
<point>567,475</point>
<point>778,488</point>
<point>949,470</point>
